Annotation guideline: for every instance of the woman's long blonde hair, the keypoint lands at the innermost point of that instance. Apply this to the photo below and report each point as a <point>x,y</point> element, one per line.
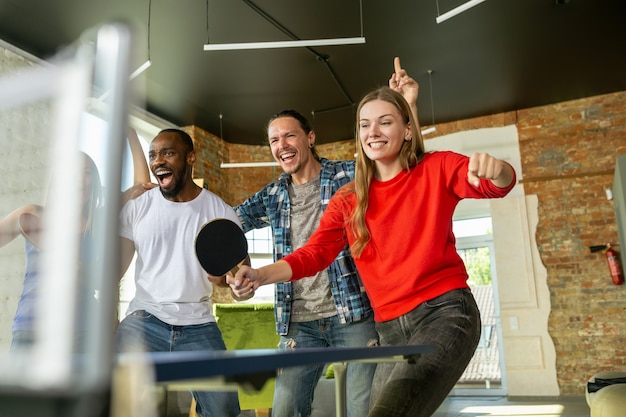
<point>411,152</point>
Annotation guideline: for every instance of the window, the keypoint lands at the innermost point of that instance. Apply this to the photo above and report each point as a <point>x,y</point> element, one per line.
<point>483,375</point>
<point>260,244</point>
<point>472,227</point>
<point>260,249</point>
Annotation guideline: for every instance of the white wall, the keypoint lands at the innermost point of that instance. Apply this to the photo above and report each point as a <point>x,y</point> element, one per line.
<point>23,161</point>
<point>501,142</point>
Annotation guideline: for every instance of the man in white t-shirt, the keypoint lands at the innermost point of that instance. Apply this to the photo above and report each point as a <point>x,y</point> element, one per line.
<point>171,309</point>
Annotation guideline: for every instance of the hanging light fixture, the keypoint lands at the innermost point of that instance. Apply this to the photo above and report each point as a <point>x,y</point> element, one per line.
<point>432,128</point>
<point>148,63</point>
<point>135,73</point>
<point>283,44</point>
<point>141,69</point>
<point>248,164</point>
<point>460,9</point>
<point>295,43</point>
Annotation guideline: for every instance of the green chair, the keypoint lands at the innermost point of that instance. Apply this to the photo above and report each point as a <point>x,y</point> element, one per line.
<point>249,326</point>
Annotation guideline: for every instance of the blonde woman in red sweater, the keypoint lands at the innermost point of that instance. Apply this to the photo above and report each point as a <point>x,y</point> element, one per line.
<point>397,218</point>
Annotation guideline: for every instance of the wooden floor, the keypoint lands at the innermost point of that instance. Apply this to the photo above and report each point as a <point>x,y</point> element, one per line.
<point>503,407</point>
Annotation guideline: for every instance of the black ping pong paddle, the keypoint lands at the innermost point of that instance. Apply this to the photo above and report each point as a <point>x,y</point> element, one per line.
<point>221,246</point>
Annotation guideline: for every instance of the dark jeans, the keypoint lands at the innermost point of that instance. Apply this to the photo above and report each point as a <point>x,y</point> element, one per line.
<point>295,386</point>
<point>451,323</point>
<point>144,331</point>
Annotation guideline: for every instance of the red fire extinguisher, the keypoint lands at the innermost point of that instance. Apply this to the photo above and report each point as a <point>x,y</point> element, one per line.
<point>613,260</point>
<point>614,266</point>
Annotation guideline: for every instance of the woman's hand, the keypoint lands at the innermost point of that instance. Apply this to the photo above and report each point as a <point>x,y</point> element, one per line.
<point>247,277</point>
<point>483,165</point>
<point>136,190</point>
<point>240,285</point>
<point>403,84</point>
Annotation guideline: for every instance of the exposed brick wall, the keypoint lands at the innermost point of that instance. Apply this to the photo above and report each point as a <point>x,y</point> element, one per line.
<point>234,185</point>
<point>243,182</point>
<point>496,120</point>
<point>211,151</point>
<point>568,156</point>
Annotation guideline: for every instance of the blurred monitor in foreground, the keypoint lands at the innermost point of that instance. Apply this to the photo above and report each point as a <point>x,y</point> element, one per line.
<point>59,230</point>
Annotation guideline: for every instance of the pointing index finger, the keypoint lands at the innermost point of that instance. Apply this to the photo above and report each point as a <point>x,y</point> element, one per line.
<point>396,65</point>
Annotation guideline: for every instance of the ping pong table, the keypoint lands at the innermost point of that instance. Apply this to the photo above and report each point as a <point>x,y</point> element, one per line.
<point>251,368</point>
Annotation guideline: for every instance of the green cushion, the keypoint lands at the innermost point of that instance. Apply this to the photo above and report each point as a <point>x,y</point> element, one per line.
<point>249,326</point>
<point>330,372</point>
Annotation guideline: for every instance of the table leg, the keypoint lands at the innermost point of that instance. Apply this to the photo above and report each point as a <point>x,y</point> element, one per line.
<point>339,369</point>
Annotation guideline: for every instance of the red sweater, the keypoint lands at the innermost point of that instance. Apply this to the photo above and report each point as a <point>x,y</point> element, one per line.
<point>411,257</point>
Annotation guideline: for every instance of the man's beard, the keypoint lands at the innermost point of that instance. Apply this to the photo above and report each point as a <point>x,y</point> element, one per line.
<point>174,192</point>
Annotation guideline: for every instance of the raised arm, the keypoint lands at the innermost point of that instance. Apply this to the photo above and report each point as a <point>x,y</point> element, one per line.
<point>141,183</point>
<point>405,85</point>
<point>141,172</point>
<point>24,221</point>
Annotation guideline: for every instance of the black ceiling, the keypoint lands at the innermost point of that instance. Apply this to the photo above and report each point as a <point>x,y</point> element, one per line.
<point>498,56</point>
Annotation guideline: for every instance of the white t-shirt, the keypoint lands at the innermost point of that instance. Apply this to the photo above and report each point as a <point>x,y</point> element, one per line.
<point>170,282</point>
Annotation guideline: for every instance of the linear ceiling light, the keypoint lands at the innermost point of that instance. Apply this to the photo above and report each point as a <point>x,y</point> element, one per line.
<point>457,10</point>
<point>282,44</point>
<point>148,62</point>
<point>248,164</point>
<point>141,69</point>
<point>294,43</point>
<point>135,73</point>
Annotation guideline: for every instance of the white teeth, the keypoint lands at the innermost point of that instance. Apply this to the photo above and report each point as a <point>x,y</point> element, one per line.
<point>376,144</point>
<point>162,172</point>
<point>287,155</point>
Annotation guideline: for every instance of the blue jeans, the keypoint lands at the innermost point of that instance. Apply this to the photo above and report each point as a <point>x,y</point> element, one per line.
<point>25,340</point>
<point>451,323</point>
<point>141,330</point>
<point>295,386</point>
<point>22,339</point>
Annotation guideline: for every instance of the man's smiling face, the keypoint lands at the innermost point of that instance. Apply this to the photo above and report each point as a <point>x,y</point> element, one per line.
<point>290,144</point>
<point>169,162</point>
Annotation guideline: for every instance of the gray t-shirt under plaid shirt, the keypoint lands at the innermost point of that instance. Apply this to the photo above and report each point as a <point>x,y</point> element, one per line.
<point>270,206</point>
<point>312,299</point>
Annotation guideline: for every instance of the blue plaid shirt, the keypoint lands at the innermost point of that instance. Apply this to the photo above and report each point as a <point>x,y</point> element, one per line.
<point>271,207</point>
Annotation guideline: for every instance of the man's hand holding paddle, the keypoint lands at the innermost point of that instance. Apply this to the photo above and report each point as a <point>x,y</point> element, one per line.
<point>221,249</point>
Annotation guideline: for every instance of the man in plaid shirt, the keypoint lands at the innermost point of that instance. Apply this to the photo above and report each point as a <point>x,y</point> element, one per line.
<point>331,309</point>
